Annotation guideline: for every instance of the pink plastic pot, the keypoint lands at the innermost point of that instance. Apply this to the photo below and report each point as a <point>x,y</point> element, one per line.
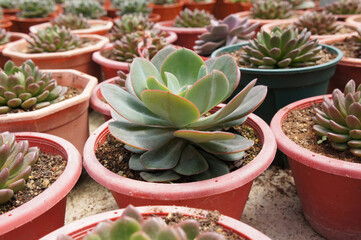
<point>14,36</point>
<point>78,229</point>
<point>329,189</point>
<point>45,212</point>
<point>209,194</point>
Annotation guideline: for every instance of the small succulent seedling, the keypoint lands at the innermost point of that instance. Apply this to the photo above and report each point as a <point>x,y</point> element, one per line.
<point>4,36</point>
<point>345,7</point>
<point>281,49</point>
<point>71,21</point>
<point>228,31</point>
<point>339,119</point>
<point>26,87</point>
<point>193,18</point>
<point>270,9</point>
<point>52,39</point>
<point>9,4</point>
<point>36,8</point>
<point>16,159</point>
<point>131,7</point>
<point>131,225</point>
<point>164,116</point>
<point>90,9</point>
<point>164,2</point>
<point>318,23</point>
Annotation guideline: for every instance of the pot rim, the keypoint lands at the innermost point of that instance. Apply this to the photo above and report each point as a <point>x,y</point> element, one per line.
<point>244,14</point>
<point>96,103</point>
<point>13,35</point>
<point>190,190</point>
<point>78,226</point>
<point>51,196</point>
<point>305,156</point>
<point>167,26</point>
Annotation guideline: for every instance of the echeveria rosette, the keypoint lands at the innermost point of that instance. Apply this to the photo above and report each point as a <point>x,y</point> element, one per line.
<point>71,21</point>
<point>318,23</point>
<point>35,8</point>
<point>339,119</point>
<point>162,115</point>
<point>16,159</point>
<point>193,19</point>
<point>344,7</point>
<point>270,9</point>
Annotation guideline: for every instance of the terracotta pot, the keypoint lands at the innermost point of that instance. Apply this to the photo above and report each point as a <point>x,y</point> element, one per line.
<point>186,36</point>
<point>78,229</point>
<point>67,119</point>
<point>223,8</point>
<point>14,36</point>
<point>206,6</point>
<point>168,11</point>
<point>45,212</point>
<point>209,194</point>
<point>97,26</point>
<point>23,24</point>
<point>5,23</point>
<point>78,59</point>
<point>11,12</point>
<point>329,189</point>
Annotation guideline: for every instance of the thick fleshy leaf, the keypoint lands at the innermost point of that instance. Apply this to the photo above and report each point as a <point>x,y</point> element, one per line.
<point>154,84</point>
<point>163,176</point>
<point>133,149</point>
<point>231,157</point>
<point>159,58</point>
<point>139,136</point>
<point>202,136</point>
<point>135,164</point>
<point>320,119</point>
<point>5,195</point>
<point>152,226</point>
<point>209,91</point>
<point>355,134</point>
<point>234,145</point>
<point>190,227</point>
<point>339,146</point>
<point>356,152</point>
<point>355,109</point>
<point>191,162</point>
<point>336,115</point>
<point>124,228</point>
<point>320,131</point>
<point>338,138</point>
<point>177,110</point>
<point>354,144</point>
<point>172,82</point>
<point>216,168</point>
<point>338,128</point>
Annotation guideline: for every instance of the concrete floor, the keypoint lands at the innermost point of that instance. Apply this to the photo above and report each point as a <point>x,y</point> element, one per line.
<point>273,206</point>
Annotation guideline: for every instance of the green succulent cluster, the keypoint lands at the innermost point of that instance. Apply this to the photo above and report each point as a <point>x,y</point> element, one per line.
<point>138,44</point>
<point>71,21</point>
<point>4,36</point>
<point>131,6</point>
<point>228,31</point>
<point>164,2</point>
<point>339,119</point>
<point>345,7</point>
<point>35,8</point>
<point>26,87</point>
<point>52,39</point>
<point>271,9</point>
<point>16,160</point>
<point>193,18</point>
<point>318,23</point>
<point>165,116</point>
<point>133,226</point>
<point>90,9</point>
<point>9,4</point>
<point>281,48</point>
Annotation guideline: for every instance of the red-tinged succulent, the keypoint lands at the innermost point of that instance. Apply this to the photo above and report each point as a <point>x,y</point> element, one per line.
<point>318,23</point>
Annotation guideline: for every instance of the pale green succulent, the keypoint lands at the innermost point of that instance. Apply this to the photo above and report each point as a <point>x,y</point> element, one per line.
<point>164,116</point>
<point>345,7</point>
<point>132,7</point>
<point>271,9</point>
<point>90,9</point>
<point>36,8</point>
<point>318,23</point>
<point>4,36</point>
<point>71,21</point>
<point>16,159</point>
<point>193,18</point>
<point>9,4</point>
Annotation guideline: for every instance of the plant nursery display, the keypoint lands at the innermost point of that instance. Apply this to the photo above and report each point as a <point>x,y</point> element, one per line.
<point>90,9</point>
<point>267,9</point>
<point>344,8</point>
<point>206,5</point>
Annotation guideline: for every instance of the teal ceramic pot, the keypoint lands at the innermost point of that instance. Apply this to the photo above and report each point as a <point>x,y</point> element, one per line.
<point>286,85</point>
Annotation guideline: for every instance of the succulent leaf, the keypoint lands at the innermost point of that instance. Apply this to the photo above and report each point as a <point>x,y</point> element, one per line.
<point>344,7</point>
<point>4,36</point>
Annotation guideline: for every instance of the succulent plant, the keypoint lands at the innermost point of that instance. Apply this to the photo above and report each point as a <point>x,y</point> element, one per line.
<point>339,119</point>
<point>356,39</point>
<point>193,18</point>
<point>35,8</point>
<point>130,23</point>
<point>16,160</point>
<point>164,119</point>
<point>132,225</point>
<point>228,31</point>
<point>90,9</point>
<point>164,2</point>
<point>300,4</point>
<point>71,21</point>
<point>9,4</point>
<point>344,7</point>
<point>282,49</point>
<point>52,39</point>
<point>28,88</point>
<point>138,44</point>
<point>319,23</point>
<point>270,9</point>
<point>4,36</point>
<point>131,6</point>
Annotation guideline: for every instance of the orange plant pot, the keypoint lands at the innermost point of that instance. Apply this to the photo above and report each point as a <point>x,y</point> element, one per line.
<point>168,11</point>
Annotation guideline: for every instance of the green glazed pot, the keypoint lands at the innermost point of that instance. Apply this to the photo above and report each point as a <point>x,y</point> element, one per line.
<point>286,85</point>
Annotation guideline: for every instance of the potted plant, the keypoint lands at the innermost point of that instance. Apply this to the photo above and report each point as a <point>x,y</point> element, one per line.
<point>187,25</point>
<point>46,211</point>
<point>9,7</point>
<point>325,164</point>
<point>5,38</point>
<point>161,216</point>
<point>287,63</point>
<point>71,52</point>
<point>206,5</point>
<point>90,9</point>
<point>181,68</point>
<point>43,109</point>
<point>167,9</point>
<point>123,7</point>
<point>344,8</point>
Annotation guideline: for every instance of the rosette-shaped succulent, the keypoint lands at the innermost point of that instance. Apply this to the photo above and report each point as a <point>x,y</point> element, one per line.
<point>339,119</point>
<point>345,7</point>
<point>36,8</point>
<point>319,23</point>
<point>16,159</point>
<point>9,4</point>
<point>282,49</point>
<point>138,44</point>
<point>228,31</point>
<point>71,21</point>
<point>28,88</point>
<point>53,39</point>
<point>300,4</point>
<point>193,18</point>
<point>132,225</point>
<point>4,36</point>
<point>132,7</point>
<point>164,2</point>
<point>270,9</point>
<point>165,116</point>
<point>90,9</point>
